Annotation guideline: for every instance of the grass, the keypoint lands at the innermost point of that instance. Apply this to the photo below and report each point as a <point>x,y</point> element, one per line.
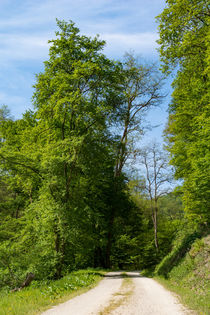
<point>120,297</point>
<point>147,273</point>
<point>43,295</point>
<point>190,277</point>
<point>197,303</point>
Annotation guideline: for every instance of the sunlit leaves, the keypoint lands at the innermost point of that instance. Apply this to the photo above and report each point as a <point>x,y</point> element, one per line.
<point>184,33</point>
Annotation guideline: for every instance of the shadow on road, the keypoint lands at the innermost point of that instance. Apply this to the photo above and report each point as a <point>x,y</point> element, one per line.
<point>123,274</point>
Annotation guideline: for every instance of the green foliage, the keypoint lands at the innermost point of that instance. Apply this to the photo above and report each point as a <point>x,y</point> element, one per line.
<point>4,113</point>
<point>169,221</point>
<point>180,248</point>
<point>184,37</point>
<point>127,237</point>
<point>65,203</point>
<point>43,294</point>
<point>183,29</point>
<point>189,276</point>
<point>57,164</point>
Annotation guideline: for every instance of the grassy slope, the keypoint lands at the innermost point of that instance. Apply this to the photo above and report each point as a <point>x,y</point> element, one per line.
<point>41,296</point>
<point>190,276</point>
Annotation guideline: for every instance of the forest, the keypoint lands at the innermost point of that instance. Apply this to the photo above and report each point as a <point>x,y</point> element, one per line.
<point>77,188</point>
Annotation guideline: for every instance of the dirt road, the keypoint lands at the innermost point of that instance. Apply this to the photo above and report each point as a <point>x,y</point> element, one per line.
<point>118,294</point>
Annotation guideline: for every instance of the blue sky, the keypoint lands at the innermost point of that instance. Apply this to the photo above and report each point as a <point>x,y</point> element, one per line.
<point>27,25</point>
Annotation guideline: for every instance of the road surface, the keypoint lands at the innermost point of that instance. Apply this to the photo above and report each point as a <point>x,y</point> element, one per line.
<point>118,294</point>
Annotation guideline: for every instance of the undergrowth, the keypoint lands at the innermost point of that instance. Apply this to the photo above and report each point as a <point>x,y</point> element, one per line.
<point>181,246</point>
<point>43,294</point>
<point>186,271</point>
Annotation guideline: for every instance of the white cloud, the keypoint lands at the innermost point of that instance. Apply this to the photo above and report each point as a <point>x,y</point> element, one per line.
<point>22,47</point>
<point>142,43</point>
<point>17,104</point>
<point>27,25</point>
<point>123,24</point>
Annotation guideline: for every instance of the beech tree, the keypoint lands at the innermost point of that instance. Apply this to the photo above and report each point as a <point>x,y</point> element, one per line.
<point>184,43</point>
<point>61,154</point>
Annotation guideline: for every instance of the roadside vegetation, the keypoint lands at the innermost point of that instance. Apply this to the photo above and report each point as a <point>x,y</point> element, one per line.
<point>42,295</point>
<point>184,49</point>
<point>186,271</point>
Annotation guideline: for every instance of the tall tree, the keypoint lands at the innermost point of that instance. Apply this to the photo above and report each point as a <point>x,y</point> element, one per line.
<point>62,154</point>
<point>184,42</point>
<point>158,177</point>
<point>141,84</point>
<point>142,88</point>
<point>76,98</point>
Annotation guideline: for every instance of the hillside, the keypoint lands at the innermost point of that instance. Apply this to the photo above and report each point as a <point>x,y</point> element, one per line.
<point>186,271</point>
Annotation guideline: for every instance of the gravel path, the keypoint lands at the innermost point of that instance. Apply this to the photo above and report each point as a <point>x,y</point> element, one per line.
<point>149,298</point>
<point>114,296</point>
<point>92,301</point>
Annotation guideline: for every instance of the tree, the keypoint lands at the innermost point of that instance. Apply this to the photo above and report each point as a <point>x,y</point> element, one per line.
<point>184,37</point>
<point>142,86</point>
<point>5,113</point>
<point>158,176</point>
<point>61,156</point>
<point>77,97</point>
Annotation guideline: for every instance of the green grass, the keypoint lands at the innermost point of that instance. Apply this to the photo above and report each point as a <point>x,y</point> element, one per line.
<point>190,277</point>
<point>43,295</point>
<point>199,303</point>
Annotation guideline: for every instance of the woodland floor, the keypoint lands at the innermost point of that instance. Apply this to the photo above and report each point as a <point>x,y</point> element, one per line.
<point>121,293</point>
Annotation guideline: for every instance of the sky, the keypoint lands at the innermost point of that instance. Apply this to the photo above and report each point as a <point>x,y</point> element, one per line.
<point>27,25</point>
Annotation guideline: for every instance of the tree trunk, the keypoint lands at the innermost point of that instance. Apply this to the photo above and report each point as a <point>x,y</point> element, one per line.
<point>30,276</point>
<point>155,228</point>
<point>118,171</point>
<point>60,248</point>
<point>109,240</point>
<point>98,258</point>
